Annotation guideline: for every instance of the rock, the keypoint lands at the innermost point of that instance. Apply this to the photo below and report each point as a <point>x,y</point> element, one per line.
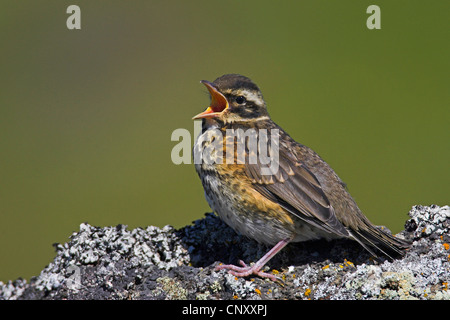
<point>165,263</point>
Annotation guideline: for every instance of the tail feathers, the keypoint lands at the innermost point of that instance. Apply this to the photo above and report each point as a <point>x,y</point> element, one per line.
<point>372,237</point>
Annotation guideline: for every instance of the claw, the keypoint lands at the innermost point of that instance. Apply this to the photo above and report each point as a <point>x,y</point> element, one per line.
<point>242,263</point>
<point>256,268</point>
<point>245,271</point>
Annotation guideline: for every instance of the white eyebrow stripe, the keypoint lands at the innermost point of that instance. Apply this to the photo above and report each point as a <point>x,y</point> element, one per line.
<point>251,96</point>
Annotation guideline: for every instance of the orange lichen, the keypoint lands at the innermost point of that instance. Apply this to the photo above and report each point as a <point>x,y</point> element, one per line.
<point>349,263</point>
<point>307,292</point>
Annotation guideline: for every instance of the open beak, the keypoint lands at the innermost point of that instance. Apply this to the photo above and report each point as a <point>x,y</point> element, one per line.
<point>218,102</point>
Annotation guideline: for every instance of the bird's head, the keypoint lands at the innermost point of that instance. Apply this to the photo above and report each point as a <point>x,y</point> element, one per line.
<point>234,98</point>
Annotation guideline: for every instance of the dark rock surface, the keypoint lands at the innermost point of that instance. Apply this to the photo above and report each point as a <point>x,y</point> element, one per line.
<point>164,263</point>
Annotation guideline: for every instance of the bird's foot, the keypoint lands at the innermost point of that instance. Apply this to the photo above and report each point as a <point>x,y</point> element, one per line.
<point>246,270</point>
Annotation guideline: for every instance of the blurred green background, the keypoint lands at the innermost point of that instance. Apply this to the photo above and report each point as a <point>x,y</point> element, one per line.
<point>86,115</point>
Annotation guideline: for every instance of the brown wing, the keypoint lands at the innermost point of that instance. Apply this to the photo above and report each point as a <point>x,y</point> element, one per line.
<point>295,188</point>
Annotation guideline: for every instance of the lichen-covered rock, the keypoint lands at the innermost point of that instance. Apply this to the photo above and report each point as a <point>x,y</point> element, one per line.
<point>429,221</point>
<point>164,263</point>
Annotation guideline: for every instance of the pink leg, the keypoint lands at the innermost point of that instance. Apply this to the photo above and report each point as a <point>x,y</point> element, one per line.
<point>256,268</point>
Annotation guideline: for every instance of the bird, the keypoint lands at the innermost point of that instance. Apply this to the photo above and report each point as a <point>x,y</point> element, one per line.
<point>296,197</point>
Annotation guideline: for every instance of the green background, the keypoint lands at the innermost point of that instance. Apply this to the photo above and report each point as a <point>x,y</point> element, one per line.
<point>86,116</point>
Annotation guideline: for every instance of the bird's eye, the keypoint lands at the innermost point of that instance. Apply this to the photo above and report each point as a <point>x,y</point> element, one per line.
<point>240,99</point>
